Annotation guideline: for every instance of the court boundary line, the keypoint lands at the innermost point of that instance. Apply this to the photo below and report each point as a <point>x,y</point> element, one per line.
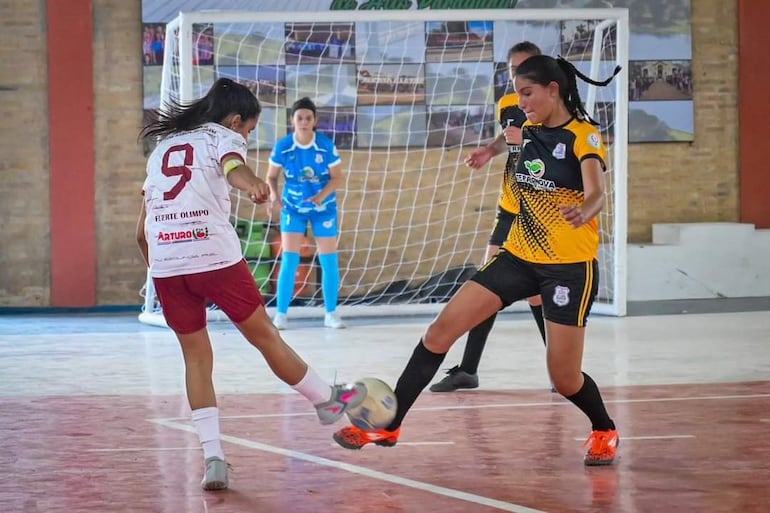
<point>362,471</point>
<point>558,402</point>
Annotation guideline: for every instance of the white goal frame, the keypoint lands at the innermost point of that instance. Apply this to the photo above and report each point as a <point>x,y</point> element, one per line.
<point>617,17</point>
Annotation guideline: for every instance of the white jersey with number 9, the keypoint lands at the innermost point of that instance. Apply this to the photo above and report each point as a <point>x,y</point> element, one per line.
<point>187,199</point>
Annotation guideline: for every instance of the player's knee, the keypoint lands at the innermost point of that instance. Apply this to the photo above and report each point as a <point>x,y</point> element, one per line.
<point>566,382</point>
<point>196,349</point>
<point>438,337</point>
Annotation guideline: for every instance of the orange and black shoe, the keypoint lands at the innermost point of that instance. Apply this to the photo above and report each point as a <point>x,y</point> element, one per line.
<point>602,447</point>
<point>352,437</point>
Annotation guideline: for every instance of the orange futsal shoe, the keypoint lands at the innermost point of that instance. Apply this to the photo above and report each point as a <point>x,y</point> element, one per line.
<point>352,437</point>
<point>602,446</point>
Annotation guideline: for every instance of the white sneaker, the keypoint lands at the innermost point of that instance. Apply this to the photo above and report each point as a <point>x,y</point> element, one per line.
<point>332,320</point>
<point>280,321</point>
<point>215,476</point>
<point>343,397</point>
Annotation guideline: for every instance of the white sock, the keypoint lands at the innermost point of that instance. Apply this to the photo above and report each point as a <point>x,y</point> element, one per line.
<point>206,421</point>
<point>313,387</point>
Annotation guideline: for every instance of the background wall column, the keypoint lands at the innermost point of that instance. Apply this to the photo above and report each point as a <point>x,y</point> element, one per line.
<point>754,111</point>
<point>71,143</point>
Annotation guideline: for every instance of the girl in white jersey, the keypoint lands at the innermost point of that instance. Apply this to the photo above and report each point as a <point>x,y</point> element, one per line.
<point>194,255</point>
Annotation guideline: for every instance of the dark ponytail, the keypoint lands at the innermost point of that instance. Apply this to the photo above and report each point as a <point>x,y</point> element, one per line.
<point>224,98</point>
<point>542,70</point>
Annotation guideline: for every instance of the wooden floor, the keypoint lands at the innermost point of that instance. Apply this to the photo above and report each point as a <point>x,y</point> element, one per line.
<point>93,419</point>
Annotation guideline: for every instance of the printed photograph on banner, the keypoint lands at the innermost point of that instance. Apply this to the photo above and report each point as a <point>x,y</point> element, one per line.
<point>307,43</point>
<point>502,81</point>
<point>248,44</point>
<point>391,126</point>
<point>339,124</point>
<point>660,29</point>
<point>271,127</point>
<point>391,84</point>
<point>472,125</point>
<point>151,86</point>
<point>657,121</point>
<point>390,41</point>
<point>268,83</point>
<point>203,44</point>
<point>545,34</point>
<point>447,41</point>
<point>153,43</point>
<point>202,79</point>
<point>577,39</point>
<point>659,80</point>
<point>459,83</point>
<point>328,85</point>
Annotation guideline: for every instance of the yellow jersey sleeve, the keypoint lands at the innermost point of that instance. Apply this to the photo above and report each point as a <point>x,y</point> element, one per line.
<point>588,143</point>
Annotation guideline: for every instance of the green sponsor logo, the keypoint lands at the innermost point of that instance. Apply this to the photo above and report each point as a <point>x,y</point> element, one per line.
<point>535,167</point>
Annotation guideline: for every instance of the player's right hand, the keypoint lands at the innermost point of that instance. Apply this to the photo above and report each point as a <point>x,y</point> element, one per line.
<point>478,158</point>
<point>512,135</point>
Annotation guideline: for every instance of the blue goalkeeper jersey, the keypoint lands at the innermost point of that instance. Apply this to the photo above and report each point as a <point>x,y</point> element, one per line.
<point>306,171</point>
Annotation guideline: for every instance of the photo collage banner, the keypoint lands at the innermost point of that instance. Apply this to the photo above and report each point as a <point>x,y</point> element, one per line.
<point>409,84</point>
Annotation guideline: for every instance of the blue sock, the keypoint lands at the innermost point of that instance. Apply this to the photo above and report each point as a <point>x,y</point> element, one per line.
<point>330,280</point>
<point>286,277</point>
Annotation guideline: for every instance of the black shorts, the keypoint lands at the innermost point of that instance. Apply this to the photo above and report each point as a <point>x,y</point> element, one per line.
<point>503,222</point>
<point>568,290</point>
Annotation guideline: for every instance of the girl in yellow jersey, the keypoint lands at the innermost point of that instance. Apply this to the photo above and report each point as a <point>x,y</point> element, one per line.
<point>551,250</point>
<point>511,119</point>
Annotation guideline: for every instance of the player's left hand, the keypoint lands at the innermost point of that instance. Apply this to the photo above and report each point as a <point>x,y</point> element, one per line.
<point>260,193</point>
<point>316,200</point>
<point>573,214</point>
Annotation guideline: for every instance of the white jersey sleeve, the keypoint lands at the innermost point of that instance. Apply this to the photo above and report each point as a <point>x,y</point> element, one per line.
<point>231,143</point>
<point>187,199</point>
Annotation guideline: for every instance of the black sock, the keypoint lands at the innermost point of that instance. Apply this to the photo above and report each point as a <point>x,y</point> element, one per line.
<point>474,346</point>
<point>537,313</point>
<point>589,400</point>
<point>421,368</point>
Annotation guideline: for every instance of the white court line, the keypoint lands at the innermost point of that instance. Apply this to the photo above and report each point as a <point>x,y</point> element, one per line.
<point>148,449</point>
<point>513,405</point>
<point>764,420</point>
<point>651,437</point>
<point>363,471</point>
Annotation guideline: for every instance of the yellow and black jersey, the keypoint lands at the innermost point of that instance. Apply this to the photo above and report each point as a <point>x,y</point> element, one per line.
<point>509,114</point>
<point>548,175</point>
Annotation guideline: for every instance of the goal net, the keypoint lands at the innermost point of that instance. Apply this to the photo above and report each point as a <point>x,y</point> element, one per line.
<point>406,95</point>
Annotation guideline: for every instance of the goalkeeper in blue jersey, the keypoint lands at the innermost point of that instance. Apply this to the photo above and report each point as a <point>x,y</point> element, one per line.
<point>312,171</point>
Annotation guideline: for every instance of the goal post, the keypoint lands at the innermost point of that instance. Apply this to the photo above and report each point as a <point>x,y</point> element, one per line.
<point>406,95</point>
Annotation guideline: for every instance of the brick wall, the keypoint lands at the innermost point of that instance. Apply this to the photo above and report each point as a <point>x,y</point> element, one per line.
<point>696,182</point>
<point>119,158</point>
<point>667,182</point>
<point>24,205</point>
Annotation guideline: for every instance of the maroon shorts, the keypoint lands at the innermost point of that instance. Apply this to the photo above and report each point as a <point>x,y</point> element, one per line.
<point>184,298</point>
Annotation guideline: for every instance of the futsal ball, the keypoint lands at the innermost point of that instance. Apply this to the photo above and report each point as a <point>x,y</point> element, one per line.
<point>378,408</point>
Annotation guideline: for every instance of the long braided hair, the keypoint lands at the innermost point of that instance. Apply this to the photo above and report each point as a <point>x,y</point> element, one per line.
<point>543,69</point>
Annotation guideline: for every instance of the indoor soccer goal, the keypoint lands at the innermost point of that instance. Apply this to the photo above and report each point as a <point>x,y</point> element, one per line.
<point>406,95</point>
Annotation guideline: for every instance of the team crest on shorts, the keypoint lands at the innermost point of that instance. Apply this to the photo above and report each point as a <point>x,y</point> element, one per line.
<point>561,296</point>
